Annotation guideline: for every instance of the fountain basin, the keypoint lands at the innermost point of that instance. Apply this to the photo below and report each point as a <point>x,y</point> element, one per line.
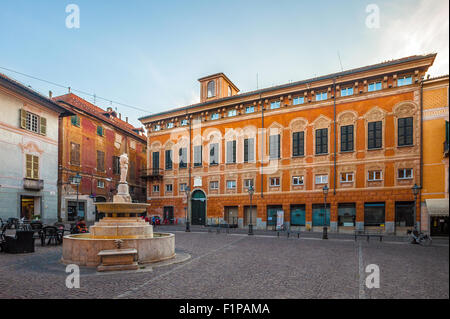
<point>83,249</point>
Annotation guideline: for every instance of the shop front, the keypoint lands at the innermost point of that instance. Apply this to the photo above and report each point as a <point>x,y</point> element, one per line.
<point>438,216</point>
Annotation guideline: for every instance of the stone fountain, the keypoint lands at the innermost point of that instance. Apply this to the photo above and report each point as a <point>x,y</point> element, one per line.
<point>121,240</point>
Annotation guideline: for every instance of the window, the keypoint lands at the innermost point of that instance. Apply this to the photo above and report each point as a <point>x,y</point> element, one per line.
<point>211,89</point>
<point>322,141</point>
<point>404,80</point>
<point>231,184</point>
<point>170,125</point>
<point>184,122</point>
<point>274,181</point>
<point>249,109</point>
<point>229,91</point>
<point>197,156</point>
<point>157,128</point>
<point>248,183</point>
<point>183,187</point>
<point>375,176</point>
<point>347,138</point>
<point>74,153</point>
<point>298,141</point>
<point>374,214</point>
<point>169,188</point>
<point>347,91</point>
<point>155,161</point>
<point>346,177</point>
<point>275,105</point>
<point>215,116</point>
<point>32,166</point>
<point>182,153</point>
<point>33,122</point>
<point>405,131</point>
<point>231,152</point>
<point>297,180</point>
<point>321,96</point>
<point>155,188</point>
<point>321,179</point>
<point>100,130</point>
<point>168,159</point>
<point>374,135</point>
<point>116,164</point>
<point>299,100</point>
<point>100,161</point>
<point>405,173</point>
<point>214,154</point>
<point>249,150</point>
<point>232,113</point>
<point>274,146</point>
<point>75,120</point>
<point>214,185</point>
<point>100,184</point>
<point>374,86</point>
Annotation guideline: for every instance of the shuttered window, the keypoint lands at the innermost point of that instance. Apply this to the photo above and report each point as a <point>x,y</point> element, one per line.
<point>197,156</point>
<point>75,120</point>
<point>33,122</point>
<point>32,166</point>
<point>274,146</point>
<point>346,138</point>
<point>74,153</point>
<point>182,153</point>
<point>298,143</point>
<point>322,141</point>
<point>100,130</point>
<point>405,131</point>
<point>100,161</point>
<point>214,154</point>
<point>116,165</point>
<point>231,152</point>
<point>155,160</point>
<point>374,135</point>
<point>249,150</point>
<point>169,159</point>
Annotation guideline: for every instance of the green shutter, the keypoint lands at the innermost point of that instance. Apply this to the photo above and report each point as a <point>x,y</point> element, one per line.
<point>43,124</point>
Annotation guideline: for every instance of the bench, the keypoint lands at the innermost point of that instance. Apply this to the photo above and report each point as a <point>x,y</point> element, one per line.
<point>288,233</point>
<point>368,234</point>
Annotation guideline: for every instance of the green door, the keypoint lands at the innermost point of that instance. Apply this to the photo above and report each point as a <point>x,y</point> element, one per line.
<point>198,208</point>
<point>298,215</point>
<point>272,215</point>
<point>321,215</point>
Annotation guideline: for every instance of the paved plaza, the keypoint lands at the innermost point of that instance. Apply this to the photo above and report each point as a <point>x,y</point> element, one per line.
<point>235,265</point>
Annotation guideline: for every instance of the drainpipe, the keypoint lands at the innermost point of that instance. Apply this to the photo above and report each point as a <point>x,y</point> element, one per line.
<point>262,146</point>
<point>190,160</point>
<point>421,154</point>
<point>334,119</point>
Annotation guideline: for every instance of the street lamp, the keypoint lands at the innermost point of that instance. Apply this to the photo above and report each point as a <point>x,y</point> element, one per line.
<point>187,190</point>
<point>415,189</point>
<point>77,181</point>
<point>325,193</point>
<point>250,193</point>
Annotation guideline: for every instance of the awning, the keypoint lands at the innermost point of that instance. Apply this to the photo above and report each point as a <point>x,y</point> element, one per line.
<point>437,207</point>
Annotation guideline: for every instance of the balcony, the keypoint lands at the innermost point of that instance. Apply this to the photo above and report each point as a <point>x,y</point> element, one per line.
<point>152,174</point>
<point>33,184</point>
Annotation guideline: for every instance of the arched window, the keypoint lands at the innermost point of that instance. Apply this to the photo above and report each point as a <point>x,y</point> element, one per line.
<point>211,89</point>
<point>229,90</point>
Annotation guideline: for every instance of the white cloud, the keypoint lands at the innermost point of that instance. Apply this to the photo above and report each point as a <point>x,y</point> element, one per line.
<point>425,30</point>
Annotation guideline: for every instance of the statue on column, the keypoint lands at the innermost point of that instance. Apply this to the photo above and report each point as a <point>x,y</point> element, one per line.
<point>123,168</point>
<point>123,194</point>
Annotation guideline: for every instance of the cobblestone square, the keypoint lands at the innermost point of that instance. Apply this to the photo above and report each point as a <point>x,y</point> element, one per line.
<point>236,265</point>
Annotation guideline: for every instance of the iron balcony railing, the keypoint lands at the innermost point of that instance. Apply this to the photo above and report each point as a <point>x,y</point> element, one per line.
<point>152,173</point>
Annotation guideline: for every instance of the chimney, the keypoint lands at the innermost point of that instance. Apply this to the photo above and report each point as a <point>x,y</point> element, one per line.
<point>126,119</point>
<point>120,116</point>
<point>50,94</point>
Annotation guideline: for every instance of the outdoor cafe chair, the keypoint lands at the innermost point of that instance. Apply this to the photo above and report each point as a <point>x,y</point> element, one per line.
<point>51,233</point>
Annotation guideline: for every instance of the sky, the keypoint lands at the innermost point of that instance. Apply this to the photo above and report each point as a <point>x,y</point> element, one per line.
<point>150,54</point>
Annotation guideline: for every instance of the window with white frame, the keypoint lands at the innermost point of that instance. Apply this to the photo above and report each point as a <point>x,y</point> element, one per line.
<point>170,125</point>
<point>250,109</point>
<point>215,116</point>
<point>347,91</point>
<point>229,91</point>
<point>169,187</point>
<point>211,89</point>
<point>346,177</point>
<point>248,183</point>
<point>183,187</point>
<point>404,80</point>
<point>231,184</point>
<point>322,179</point>
<point>100,184</point>
<point>32,122</point>
<point>374,86</point>
<point>376,175</point>
<point>405,173</point>
<point>297,180</point>
<point>298,100</point>
<point>214,185</point>
<point>275,105</point>
<point>232,112</point>
<point>321,96</point>
<point>155,188</point>
<point>274,181</point>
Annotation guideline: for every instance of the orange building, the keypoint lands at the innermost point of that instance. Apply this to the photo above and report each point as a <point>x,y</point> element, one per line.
<point>358,132</point>
<point>90,144</point>
<point>435,156</point>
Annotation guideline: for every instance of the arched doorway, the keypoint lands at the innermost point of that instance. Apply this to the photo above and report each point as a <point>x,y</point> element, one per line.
<point>198,208</point>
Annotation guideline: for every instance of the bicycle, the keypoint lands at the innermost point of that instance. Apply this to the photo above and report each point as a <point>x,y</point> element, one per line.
<point>416,237</point>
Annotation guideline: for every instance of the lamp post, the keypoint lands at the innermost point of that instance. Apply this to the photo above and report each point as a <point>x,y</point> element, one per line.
<point>188,217</point>
<point>77,181</point>
<point>325,193</point>
<point>415,189</point>
<point>250,225</point>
